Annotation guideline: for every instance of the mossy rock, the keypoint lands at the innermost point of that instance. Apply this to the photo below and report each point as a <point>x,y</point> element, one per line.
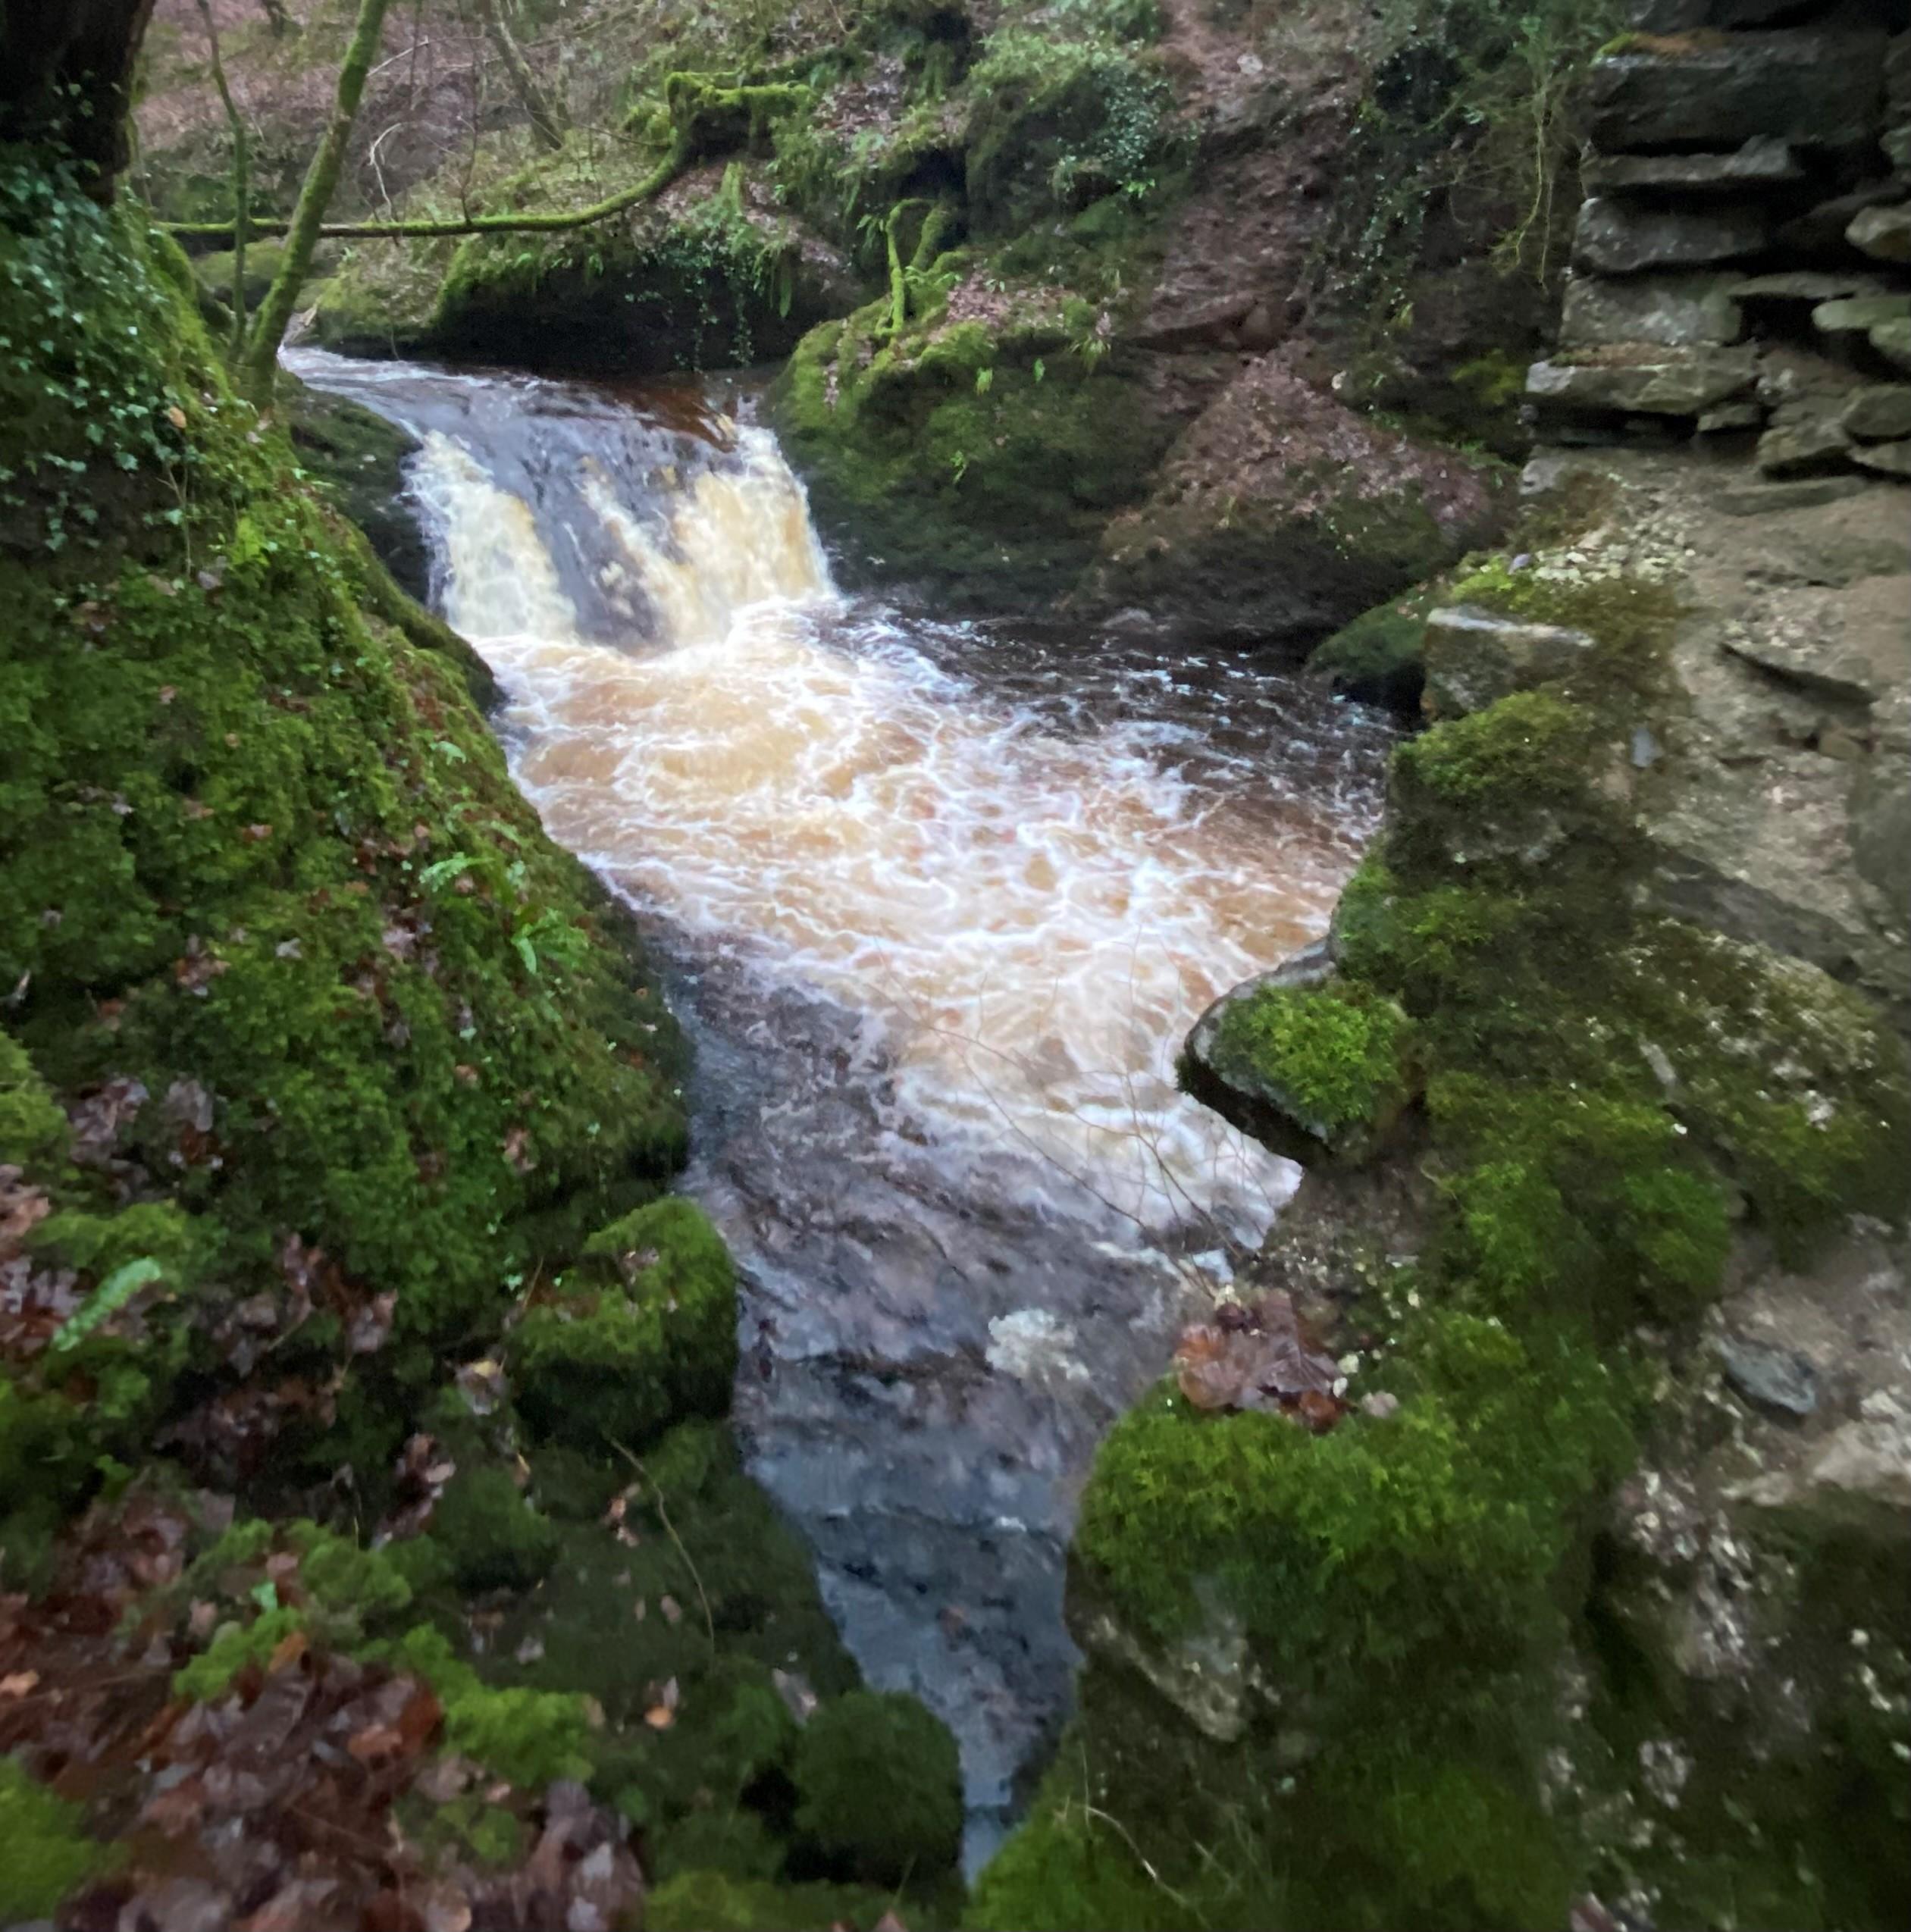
<point>981,463</point>
<point>642,1335</point>
<point>1378,659</point>
<point>44,1854</point>
<point>358,457</point>
<point>1317,1072</point>
<point>492,1539</point>
<point>876,1741</point>
<point>263,867</point>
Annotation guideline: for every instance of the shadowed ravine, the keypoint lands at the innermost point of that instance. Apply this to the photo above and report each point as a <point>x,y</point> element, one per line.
<point>940,904</point>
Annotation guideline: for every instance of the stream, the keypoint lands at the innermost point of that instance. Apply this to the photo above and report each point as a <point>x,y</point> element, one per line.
<point>937,902</point>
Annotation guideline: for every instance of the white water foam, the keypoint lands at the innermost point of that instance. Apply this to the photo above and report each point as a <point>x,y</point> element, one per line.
<point>1034,919</point>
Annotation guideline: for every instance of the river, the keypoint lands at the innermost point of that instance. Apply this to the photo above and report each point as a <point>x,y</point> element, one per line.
<point>937,902</point>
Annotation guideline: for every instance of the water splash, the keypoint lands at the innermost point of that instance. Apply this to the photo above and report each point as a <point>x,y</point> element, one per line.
<point>1035,917</point>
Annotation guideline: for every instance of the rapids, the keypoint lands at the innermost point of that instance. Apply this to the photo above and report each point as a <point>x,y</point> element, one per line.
<point>941,900</point>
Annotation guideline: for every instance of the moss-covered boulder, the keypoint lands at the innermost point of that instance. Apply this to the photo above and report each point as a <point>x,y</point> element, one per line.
<point>1319,1071</point>
<point>1378,659</point>
<point>977,453</point>
<point>642,1333</point>
<point>872,1743</point>
<point>293,956</point>
<point>359,460</point>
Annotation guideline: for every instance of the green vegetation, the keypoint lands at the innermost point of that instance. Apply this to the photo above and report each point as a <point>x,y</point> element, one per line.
<point>1405,1595</point>
<point>878,1788</point>
<point>643,1331</point>
<point>46,1852</point>
<point>1333,1059</point>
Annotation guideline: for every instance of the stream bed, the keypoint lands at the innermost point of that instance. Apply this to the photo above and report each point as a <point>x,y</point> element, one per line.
<point>937,902</point>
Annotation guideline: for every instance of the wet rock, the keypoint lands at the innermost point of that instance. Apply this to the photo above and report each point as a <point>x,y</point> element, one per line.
<point>1882,233</point>
<point>1881,414</point>
<point>1678,312</point>
<point>1809,285</point>
<point>1754,499</point>
<point>1892,340</point>
<point>1676,386</point>
<point>1886,459</point>
<point>1859,315</point>
<point>1761,162</point>
<point>1822,90</point>
<point>1620,238</point>
<point>1803,440</point>
<point>1778,1379</point>
<point>1475,657</point>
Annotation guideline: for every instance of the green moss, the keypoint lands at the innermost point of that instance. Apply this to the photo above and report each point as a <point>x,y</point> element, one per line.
<point>1590,1202</point>
<point>717,1901</point>
<point>492,1539</point>
<point>33,1131</point>
<point>527,1736</point>
<point>1066,1867</point>
<point>44,1855</point>
<point>1059,122</point>
<point>264,856</point>
<point>993,492</point>
<point>643,1335</point>
<point>871,1742</point>
<point>1378,658</point>
<point>1529,748</point>
<point>1334,1057</point>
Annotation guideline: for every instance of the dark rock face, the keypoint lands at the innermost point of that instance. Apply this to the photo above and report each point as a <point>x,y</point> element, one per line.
<point>1822,90</point>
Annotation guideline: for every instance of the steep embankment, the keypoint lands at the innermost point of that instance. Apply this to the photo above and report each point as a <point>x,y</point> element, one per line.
<point>1524,1538</point>
<point>370,1530</point>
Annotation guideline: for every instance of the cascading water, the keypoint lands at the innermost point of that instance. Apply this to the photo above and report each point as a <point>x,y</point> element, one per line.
<point>941,902</point>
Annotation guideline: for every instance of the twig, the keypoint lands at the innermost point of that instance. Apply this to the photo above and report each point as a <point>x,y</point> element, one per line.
<point>670,1530</point>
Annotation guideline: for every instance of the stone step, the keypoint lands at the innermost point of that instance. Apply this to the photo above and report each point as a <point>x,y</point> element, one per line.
<point>1617,237</point>
<point>1678,312</point>
<point>1761,162</point>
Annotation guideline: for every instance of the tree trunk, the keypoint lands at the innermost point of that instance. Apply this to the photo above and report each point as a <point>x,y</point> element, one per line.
<point>547,121</point>
<point>261,360</point>
<point>242,152</point>
<point>274,12</point>
<point>66,78</point>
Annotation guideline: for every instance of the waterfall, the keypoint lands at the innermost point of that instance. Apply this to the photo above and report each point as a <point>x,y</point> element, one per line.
<point>942,899</point>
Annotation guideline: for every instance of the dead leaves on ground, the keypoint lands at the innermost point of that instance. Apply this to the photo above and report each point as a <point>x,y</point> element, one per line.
<point>281,1804</point>
<point>1260,1355</point>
